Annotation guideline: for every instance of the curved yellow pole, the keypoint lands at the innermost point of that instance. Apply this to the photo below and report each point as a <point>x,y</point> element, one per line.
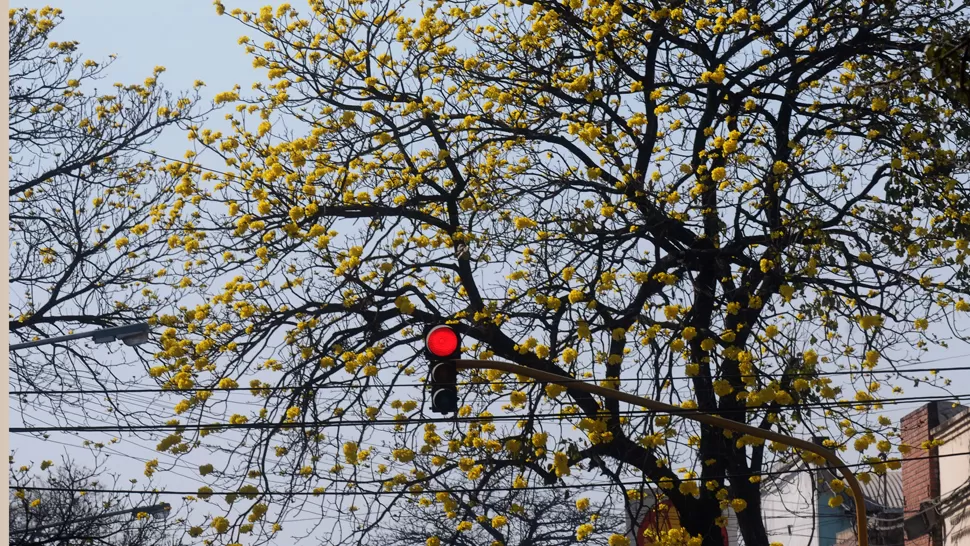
<point>713,420</point>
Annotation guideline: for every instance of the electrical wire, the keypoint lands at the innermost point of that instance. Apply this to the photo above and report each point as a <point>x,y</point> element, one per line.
<point>148,403</point>
<point>483,490</point>
<point>175,460</point>
<point>565,380</point>
<point>455,419</point>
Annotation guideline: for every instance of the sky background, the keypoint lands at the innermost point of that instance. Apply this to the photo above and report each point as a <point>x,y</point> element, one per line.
<point>192,42</point>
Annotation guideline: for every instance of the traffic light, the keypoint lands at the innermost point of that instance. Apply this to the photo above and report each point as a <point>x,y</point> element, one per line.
<point>442,347</point>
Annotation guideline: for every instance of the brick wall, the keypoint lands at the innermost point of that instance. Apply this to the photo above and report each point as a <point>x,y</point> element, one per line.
<point>921,477</point>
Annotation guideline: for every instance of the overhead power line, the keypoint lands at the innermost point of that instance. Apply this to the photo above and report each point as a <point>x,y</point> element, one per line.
<point>498,418</point>
<point>566,381</point>
<point>895,370</point>
<point>467,490</point>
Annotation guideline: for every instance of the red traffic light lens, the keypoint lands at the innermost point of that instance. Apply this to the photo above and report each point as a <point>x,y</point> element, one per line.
<point>442,341</point>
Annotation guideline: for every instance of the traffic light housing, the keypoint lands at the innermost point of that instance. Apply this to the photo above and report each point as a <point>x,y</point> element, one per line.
<point>442,346</point>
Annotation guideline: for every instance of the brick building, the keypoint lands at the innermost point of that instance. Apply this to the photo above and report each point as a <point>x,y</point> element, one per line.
<point>936,478</point>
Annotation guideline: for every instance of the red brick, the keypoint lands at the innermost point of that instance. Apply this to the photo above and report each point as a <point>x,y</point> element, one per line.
<point>920,476</point>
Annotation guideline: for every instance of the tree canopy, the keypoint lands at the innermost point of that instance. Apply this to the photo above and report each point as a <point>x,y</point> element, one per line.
<point>84,190</point>
<point>54,512</point>
<point>750,209</point>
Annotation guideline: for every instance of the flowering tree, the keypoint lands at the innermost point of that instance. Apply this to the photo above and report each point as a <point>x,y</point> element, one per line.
<point>537,518</point>
<point>717,204</point>
<point>46,508</point>
<point>89,208</point>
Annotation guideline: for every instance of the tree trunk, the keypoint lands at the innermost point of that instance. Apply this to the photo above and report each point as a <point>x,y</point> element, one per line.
<point>699,518</point>
<point>751,523</point>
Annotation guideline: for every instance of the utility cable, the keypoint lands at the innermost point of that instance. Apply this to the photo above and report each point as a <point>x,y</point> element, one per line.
<point>497,418</point>
<point>478,490</point>
<point>565,380</point>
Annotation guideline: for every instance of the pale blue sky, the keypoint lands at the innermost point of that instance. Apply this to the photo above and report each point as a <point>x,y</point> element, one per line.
<point>192,42</point>
<point>184,36</point>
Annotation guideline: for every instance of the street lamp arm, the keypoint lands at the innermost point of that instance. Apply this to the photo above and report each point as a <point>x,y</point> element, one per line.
<point>154,509</point>
<point>130,334</point>
<point>47,341</point>
<point>713,420</point>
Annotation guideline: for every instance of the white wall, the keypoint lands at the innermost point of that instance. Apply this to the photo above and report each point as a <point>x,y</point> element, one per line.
<point>954,473</point>
<point>789,511</point>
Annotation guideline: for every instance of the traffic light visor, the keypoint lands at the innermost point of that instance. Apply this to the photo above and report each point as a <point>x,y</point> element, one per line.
<point>442,341</point>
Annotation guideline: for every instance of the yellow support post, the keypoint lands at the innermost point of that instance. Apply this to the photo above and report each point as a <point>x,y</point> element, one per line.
<point>713,420</point>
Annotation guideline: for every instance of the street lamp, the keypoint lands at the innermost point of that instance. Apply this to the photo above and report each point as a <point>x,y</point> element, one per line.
<point>129,334</point>
<point>153,510</point>
<point>713,420</point>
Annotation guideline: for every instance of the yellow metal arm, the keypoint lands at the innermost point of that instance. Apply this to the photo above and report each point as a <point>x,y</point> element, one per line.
<point>713,420</point>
